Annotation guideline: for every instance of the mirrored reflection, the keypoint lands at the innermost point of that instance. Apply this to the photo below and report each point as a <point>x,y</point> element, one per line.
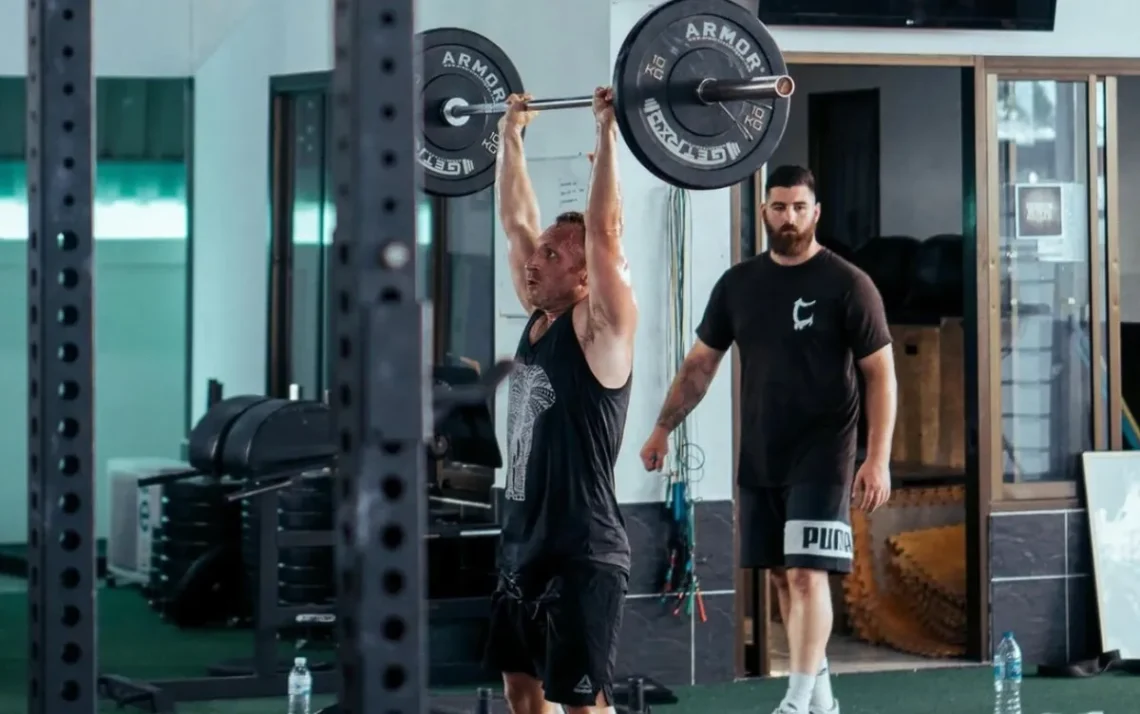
<point>1043,148</point>
<point>141,333</point>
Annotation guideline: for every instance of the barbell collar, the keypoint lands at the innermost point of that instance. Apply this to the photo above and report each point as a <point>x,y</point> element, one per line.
<point>714,91</point>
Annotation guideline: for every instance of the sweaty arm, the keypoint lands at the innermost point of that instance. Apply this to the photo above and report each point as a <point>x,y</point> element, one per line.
<point>869,337</point>
<point>517,206</point>
<point>613,310</point>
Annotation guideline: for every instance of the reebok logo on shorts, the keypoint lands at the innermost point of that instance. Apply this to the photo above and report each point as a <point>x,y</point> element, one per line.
<point>584,686</point>
<point>822,539</point>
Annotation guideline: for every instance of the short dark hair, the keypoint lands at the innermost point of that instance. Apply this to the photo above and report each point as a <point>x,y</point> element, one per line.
<point>576,218</point>
<point>790,176</point>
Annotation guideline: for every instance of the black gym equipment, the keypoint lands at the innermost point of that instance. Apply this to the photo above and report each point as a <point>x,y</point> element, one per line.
<point>277,458</point>
<point>701,96</point>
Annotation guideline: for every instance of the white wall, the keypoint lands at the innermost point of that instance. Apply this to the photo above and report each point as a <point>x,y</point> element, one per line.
<point>1128,109</point>
<point>1102,28</point>
<point>231,201</point>
<point>710,425</point>
<point>137,38</point>
<point>920,140</point>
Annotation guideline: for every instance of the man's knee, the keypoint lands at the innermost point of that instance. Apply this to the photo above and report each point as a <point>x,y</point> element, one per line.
<point>779,578</point>
<point>804,582</point>
<point>523,693</point>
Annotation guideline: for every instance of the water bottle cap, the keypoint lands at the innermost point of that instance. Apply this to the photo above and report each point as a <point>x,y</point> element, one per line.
<point>1007,635</point>
<point>299,662</point>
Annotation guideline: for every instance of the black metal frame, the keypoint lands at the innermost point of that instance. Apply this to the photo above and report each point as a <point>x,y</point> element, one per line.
<point>381,361</point>
<point>61,473</point>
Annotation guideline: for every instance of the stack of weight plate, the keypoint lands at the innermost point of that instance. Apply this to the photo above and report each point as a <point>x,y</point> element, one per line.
<point>304,575</point>
<point>195,520</point>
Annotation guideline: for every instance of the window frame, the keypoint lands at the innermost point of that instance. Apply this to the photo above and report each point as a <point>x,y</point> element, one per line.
<point>1103,265</point>
<point>284,91</point>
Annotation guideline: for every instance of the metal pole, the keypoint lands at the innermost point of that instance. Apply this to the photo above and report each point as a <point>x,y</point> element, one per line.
<point>61,495</point>
<point>710,91</point>
<point>380,386</point>
<point>463,110</point>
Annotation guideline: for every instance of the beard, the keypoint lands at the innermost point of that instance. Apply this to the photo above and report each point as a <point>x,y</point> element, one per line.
<point>787,241</point>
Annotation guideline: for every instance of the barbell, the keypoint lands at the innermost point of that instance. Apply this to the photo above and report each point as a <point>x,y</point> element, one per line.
<point>701,97</point>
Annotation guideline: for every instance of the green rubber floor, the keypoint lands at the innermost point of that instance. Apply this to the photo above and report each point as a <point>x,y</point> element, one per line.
<point>134,642</point>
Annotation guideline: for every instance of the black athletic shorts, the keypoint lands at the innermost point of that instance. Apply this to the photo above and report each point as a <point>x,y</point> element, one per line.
<point>560,626</point>
<point>806,525</point>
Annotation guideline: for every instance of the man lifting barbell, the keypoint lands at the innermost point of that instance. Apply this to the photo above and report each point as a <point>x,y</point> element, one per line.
<point>802,318</point>
<point>564,555</point>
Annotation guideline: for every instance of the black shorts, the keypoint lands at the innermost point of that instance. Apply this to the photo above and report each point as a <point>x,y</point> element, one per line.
<point>561,627</point>
<point>807,525</point>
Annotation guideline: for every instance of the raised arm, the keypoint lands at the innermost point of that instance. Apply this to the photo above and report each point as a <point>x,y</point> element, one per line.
<point>613,310</point>
<point>517,205</point>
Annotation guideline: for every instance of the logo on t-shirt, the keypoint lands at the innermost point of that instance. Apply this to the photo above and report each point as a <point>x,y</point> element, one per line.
<point>799,321</point>
<point>531,394</point>
<point>824,539</point>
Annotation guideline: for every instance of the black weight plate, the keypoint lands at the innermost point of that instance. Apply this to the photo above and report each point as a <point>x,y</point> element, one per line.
<point>662,61</point>
<point>290,575</point>
<point>305,594</point>
<point>457,63</point>
<point>305,521</point>
<point>193,511</point>
<point>168,548</point>
<point>207,438</point>
<point>197,531</point>
<point>199,488</point>
<point>290,502</point>
<point>308,557</point>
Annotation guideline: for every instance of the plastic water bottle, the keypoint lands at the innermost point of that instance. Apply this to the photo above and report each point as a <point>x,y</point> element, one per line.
<point>999,677</point>
<point>300,687</point>
<point>1009,693</point>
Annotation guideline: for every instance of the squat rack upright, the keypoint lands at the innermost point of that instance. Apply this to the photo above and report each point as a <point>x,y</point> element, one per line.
<point>380,386</point>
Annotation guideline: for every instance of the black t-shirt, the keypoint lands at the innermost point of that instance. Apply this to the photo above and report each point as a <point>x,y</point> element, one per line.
<point>564,431</point>
<point>799,329</point>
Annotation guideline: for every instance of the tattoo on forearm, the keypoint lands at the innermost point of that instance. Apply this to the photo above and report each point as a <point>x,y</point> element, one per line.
<point>689,387</point>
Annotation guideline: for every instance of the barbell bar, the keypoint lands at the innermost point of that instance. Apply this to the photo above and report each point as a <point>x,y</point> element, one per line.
<point>710,91</point>
<point>701,97</point>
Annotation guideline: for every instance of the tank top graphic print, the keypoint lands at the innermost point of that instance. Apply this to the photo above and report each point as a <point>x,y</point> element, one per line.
<point>564,431</point>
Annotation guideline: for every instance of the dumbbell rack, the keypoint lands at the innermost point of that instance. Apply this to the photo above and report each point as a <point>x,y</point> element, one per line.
<point>265,674</point>
<point>270,616</point>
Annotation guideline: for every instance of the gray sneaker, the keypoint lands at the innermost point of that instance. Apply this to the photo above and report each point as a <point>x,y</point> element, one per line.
<point>833,710</point>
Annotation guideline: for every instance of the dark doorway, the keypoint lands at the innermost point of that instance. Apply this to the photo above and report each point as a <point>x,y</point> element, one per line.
<point>843,153</point>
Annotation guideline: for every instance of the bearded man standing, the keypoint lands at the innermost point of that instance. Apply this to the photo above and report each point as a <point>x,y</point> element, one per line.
<point>802,319</point>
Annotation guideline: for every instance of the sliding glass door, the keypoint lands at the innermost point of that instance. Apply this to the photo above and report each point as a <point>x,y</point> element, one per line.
<point>1051,335</point>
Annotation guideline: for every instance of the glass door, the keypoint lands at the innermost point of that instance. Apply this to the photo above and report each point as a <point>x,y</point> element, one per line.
<point>1047,280</point>
<point>302,222</point>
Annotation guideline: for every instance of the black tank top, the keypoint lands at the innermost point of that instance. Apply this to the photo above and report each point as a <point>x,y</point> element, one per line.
<point>564,431</point>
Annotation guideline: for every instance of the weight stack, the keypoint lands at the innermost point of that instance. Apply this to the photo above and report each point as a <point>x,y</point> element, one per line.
<point>305,576</point>
<point>189,551</point>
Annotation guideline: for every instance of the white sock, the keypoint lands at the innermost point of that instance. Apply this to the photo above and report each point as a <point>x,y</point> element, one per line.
<point>799,693</point>
<point>821,697</point>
